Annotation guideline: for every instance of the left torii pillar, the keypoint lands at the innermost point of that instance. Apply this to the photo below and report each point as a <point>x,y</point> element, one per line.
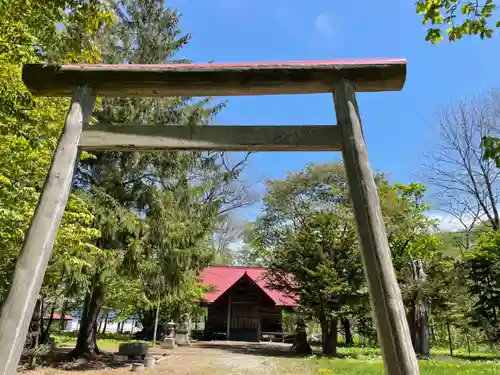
<point>16,312</point>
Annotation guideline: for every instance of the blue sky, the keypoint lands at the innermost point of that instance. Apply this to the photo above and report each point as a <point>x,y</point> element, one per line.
<point>397,125</point>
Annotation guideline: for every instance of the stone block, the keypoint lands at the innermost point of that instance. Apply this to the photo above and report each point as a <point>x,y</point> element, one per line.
<point>137,367</point>
<point>133,349</point>
<point>149,362</point>
<point>168,343</point>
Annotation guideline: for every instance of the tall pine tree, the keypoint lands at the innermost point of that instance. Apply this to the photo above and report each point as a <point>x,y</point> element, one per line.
<point>153,209</point>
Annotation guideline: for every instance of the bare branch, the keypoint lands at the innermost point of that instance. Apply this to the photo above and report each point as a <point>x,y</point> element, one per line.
<point>464,184</point>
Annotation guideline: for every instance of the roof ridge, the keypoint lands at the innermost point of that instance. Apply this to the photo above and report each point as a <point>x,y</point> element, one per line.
<point>236,267</point>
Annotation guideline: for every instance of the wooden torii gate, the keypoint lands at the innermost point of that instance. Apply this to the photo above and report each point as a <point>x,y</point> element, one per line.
<point>85,82</point>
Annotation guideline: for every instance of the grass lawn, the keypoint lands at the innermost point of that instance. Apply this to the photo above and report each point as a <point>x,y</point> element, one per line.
<point>376,367</point>
<point>361,361</point>
<point>108,342</point>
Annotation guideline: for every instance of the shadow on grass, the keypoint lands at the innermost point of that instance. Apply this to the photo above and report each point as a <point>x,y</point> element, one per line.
<point>477,358</point>
<point>61,359</point>
<point>121,337</point>
<point>279,350</point>
<point>256,349</point>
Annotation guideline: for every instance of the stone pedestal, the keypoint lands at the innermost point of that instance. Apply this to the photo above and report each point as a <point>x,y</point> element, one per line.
<point>169,340</point>
<point>133,349</point>
<point>168,343</point>
<point>182,333</point>
<point>182,338</point>
<point>149,362</point>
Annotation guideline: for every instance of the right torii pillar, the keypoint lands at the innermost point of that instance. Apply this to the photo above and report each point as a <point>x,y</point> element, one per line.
<point>385,295</point>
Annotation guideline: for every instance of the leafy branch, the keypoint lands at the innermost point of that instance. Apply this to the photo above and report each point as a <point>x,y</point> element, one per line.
<point>463,18</point>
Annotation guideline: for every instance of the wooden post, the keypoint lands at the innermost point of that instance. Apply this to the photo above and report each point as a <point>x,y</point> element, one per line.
<point>17,308</point>
<point>228,323</point>
<point>385,295</point>
<point>156,323</point>
<point>281,325</point>
<point>259,325</point>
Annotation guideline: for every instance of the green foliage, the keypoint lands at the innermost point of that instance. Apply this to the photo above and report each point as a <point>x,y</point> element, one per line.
<point>307,238</point>
<point>155,211</point>
<point>29,127</point>
<point>292,199</point>
<point>483,266</point>
<point>137,225</point>
<point>461,18</point>
<point>491,146</point>
<point>409,230</point>
<point>320,263</point>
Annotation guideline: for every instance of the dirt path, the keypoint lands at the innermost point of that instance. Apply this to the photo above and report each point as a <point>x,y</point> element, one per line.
<point>202,358</point>
<point>231,359</point>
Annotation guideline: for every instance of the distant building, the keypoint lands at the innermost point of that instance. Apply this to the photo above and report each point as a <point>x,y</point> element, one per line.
<point>57,318</point>
<point>240,305</point>
<point>126,326</point>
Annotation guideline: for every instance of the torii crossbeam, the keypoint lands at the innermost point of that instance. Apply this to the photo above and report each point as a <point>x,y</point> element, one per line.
<point>85,82</point>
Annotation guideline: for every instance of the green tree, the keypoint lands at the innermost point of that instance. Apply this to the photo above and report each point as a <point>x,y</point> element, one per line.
<point>290,200</point>
<point>247,255</point>
<point>321,264</point>
<point>290,203</point>
<point>154,210</point>
<point>37,32</point>
<point>460,17</point>
<point>483,266</point>
<point>414,250</point>
<point>304,206</point>
<point>30,127</point>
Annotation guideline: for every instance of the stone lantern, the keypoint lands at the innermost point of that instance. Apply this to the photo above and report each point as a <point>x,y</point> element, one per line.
<point>169,340</point>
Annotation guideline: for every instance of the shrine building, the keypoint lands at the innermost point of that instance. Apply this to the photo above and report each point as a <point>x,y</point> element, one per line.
<point>240,305</point>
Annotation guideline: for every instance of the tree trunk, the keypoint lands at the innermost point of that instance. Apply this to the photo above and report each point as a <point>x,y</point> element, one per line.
<point>105,323</point>
<point>346,324</point>
<point>418,319</point>
<point>449,339</point>
<point>424,337</point>
<point>62,322</point>
<point>301,346</point>
<point>35,326</point>
<point>148,319</point>
<point>86,345</point>
<point>412,324</point>
<point>46,332</point>
<point>329,336</point>
<point>100,319</point>
<point>132,329</point>
<point>468,343</point>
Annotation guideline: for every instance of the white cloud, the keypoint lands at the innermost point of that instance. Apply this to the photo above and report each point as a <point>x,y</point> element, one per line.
<point>324,25</point>
<point>449,223</point>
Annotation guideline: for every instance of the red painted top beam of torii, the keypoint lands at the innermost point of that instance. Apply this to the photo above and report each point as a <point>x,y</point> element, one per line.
<point>233,79</point>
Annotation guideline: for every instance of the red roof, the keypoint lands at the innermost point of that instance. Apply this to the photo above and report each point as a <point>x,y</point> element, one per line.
<point>223,277</point>
<point>58,317</point>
